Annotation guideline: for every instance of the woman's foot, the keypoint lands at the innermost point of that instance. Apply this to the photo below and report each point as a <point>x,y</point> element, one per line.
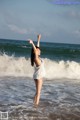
<point>37,99</point>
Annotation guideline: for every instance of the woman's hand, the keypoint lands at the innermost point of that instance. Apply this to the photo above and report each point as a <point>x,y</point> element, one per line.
<point>30,41</point>
<point>39,37</point>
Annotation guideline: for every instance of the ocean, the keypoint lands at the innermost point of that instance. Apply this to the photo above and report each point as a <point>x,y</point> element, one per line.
<point>60,96</point>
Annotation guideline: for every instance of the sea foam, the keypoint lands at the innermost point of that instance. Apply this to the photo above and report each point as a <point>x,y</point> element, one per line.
<point>21,66</point>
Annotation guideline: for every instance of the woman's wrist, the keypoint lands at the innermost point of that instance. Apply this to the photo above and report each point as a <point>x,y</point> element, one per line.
<point>39,37</point>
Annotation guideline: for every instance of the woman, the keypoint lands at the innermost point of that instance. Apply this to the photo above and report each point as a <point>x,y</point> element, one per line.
<point>39,72</point>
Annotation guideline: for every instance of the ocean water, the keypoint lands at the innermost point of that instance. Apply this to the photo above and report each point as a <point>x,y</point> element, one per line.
<point>60,96</point>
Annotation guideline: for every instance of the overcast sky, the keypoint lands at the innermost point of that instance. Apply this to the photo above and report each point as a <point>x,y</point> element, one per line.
<point>57,20</point>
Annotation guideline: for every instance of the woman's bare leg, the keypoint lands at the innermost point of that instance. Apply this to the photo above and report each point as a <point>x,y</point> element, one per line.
<point>38,90</point>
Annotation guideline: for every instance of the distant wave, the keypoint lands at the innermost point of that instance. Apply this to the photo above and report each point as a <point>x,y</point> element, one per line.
<point>52,51</point>
<point>21,66</point>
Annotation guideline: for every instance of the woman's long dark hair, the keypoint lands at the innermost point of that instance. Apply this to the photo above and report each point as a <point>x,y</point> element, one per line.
<point>33,56</point>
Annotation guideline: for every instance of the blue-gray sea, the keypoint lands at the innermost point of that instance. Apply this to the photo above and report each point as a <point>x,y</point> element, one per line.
<point>60,95</point>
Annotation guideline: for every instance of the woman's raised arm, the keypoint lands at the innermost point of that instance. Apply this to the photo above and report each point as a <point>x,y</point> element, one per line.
<point>38,40</point>
<point>31,42</point>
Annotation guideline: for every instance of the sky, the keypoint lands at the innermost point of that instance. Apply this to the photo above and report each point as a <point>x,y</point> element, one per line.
<point>56,20</point>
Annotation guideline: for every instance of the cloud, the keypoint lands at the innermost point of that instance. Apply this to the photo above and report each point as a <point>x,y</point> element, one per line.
<point>64,2</point>
<point>71,15</point>
<point>28,31</point>
<point>17,29</point>
<point>77,32</point>
<point>74,14</point>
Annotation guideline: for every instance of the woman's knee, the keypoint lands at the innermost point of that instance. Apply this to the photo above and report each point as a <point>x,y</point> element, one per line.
<point>38,93</point>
